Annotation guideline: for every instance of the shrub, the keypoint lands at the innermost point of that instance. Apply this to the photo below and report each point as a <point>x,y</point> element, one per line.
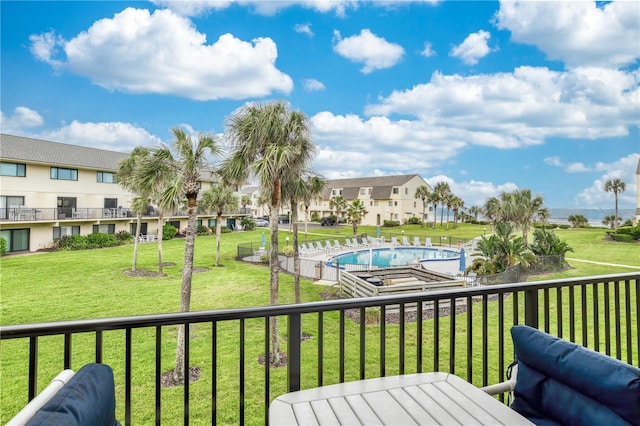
<point>390,223</point>
<point>102,240</point>
<point>3,246</point>
<point>202,230</point>
<point>315,217</point>
<point>564,226</point>
<point>264,259</point>
<point>288,251</point>
<point>124,236</point>
<point>225,230</point>
<point>248,224</point>
<point>168,232</point>
<point>623,238</point>
<point>628,230</point>
<point>414,221</point>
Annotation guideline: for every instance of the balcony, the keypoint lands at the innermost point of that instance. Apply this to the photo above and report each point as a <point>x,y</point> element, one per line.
<point>349,341</point>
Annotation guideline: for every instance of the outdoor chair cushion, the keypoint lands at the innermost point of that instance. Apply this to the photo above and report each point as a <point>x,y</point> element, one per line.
<point>560,382</point>
<point>87,399</point>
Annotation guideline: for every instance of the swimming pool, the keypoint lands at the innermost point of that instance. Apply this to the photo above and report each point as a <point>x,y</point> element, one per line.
<point>397,256</point>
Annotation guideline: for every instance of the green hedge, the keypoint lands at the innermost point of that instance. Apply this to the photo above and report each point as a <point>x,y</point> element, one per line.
<point>85,242</point>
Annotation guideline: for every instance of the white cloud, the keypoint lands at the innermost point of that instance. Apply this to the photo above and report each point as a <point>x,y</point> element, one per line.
<point>114,136</point>
<point>303,29</point>
<point>473,192</point>
<point>367,48</point>
<point>262,7</point>
<point>577,168</point>
<point>312,85</point>
<point>579,33</point>
<point>473,48</point>
<point>553,161</point>
<point>23,118</point>
<point>134,52</point>
<point>428,50</point>
<point>623,169</point>
<point>45,46</point>
<point>510,110</point>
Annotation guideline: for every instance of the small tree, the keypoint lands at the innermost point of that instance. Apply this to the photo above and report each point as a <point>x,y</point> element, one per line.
<point>616,186</point>
<point>339,204</point>
<point>218,199</point>
<point>422,192</point>
<point>355,213</point>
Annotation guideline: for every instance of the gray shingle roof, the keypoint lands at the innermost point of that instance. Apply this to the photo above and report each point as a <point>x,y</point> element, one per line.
<point>382,186</point>
<point>28,150</point>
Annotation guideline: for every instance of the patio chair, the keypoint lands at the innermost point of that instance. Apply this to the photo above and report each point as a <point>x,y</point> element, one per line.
<point>328,247</point>
<point>336,245</point>
<point>416,242</point>
<point>394,241</point>
<point>427,242</point>
<point>364,243</point>
<point>319,248</point>
<point>405,241</point>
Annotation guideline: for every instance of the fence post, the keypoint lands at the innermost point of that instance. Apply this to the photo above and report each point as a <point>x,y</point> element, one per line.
<point>293,352</point>
<point>531,308</point>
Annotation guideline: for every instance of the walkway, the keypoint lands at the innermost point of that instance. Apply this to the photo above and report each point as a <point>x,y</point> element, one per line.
<point>602,263</point>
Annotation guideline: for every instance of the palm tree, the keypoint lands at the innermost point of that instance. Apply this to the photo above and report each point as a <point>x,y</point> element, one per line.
<point>314,187</point>
<point>422,192</point>
<point>610,220</point>
<point>434,199</point>
<point>338,203</point>
<point>131,175</point>
<point>355,213</point>
<point>616,186</point>
<point>526,208</point>
<point>127,178</point>
<point>475,211</point>
<point>577,220</point>
<point>442,190</point>
<point>180,166</point>
<point>245,201</point>
<point>456,205</point>
<point>269,142</point>
<point>218,199</point>
<point>448,201</point>
<point>295,189</point>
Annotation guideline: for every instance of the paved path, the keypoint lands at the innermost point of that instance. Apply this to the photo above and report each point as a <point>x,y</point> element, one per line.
<point>602,263</point>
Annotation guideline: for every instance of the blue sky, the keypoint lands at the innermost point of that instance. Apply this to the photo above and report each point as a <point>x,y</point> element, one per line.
<point>487,96</point>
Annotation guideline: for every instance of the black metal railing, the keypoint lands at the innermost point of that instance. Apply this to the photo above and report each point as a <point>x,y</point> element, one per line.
<point>465,332</point>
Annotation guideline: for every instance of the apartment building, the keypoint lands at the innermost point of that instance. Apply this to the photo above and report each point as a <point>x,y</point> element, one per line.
<point>50,189</point>
<point>384,197</point>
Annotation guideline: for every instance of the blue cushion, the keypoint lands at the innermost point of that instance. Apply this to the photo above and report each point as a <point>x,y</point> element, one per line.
<point>88,399</point>
<point>567,383</point>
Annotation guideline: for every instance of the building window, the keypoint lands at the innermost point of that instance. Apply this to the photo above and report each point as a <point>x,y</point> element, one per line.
<point>396,216</point>
<point>107,228</point>
<point>212,223</point>
<point>370,190</point>
<point>9,204</point>
<point>106,177</point>
<point>143,228</point>
<point>375,203</point>
<point>13,169</point>
<point>396,190</point>
<point>395,203</point>
<point>63,231</point>
<point>66,207</point>
<point>406,191</point>
<point>371,203</point>
<point>363,191</point>
<point>64,174</point>
<point>414,204</point>
<point>110,203</point>
<point>17,239</point>
<point>390,203</point>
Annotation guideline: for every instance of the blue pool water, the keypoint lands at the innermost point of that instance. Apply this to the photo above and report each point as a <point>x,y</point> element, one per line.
<point>386,257</point>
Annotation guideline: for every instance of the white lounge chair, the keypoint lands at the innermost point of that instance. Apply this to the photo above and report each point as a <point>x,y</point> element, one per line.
<point>394,241</point>
<point>319,248</point>
<point>405,241</point>
<point>364,243</point>
<point>416,241</point>
<point>328,247</point>
<point>336,245</point>
<point>427,242</point>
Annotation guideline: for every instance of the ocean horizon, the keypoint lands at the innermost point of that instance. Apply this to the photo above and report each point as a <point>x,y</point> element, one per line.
<point>594,216</point>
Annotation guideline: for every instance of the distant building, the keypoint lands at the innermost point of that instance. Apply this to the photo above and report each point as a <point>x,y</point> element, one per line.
<point>384,197</point>
<point>49,190</point>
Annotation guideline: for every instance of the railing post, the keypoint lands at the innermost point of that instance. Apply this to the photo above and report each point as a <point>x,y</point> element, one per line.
<point>531,308</point>
<point>293,352</point>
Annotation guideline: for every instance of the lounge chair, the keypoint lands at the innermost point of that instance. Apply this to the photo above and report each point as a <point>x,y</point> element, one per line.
<point>328,247</point>
<point>405,241</point>
<point>364,243</point>
<point>427,242</point>
<point>416,241</point>
<point>394,241</point>
<point>319,248</point>
<point>336,245</point>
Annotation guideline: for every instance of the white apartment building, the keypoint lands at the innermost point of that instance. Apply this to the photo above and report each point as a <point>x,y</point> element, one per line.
<point>50,189</point>
<point>384,197</point>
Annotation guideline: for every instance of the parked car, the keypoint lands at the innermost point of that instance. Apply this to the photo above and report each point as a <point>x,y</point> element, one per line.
<point>283,219</point>
<point>328,221</point>
<point>262,222</point>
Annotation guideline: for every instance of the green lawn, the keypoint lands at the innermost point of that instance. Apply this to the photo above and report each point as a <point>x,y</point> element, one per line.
<point>91,284</point>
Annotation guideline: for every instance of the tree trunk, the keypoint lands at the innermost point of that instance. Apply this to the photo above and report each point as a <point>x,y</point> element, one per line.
<point>274,269</point>
<point>185,290</point>
<point>218,232</point>
<point>306,222</point>
<point>160,229</point>
<point>135,244</point>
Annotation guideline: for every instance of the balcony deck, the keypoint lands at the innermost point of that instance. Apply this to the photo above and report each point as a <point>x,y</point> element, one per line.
<point>600,312</point>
